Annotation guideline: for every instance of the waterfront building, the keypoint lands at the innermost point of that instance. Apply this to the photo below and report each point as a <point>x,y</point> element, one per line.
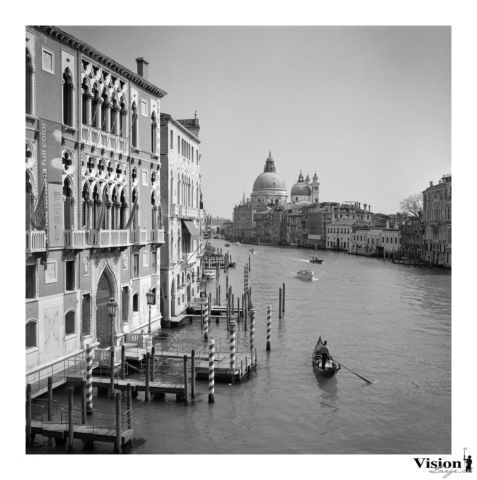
<point>183,213</point>
<point>390,238</point>
<point>93,226</point>
<point>339,235</point>
<point>437,220</point>
<point>412,233</point>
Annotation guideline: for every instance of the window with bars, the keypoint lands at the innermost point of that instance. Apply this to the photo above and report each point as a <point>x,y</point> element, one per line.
<point>30,332</point>
<point>86,315</point>
<point>70,320</point>
<point>125,304</point>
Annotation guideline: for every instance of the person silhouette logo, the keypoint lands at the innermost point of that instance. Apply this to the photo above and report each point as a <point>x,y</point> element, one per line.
<point>468,462</point>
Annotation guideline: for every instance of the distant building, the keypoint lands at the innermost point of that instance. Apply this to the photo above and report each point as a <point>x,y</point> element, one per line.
<point>437,220</point>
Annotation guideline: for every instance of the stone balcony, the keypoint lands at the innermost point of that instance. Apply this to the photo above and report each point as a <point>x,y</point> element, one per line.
<point>156,236</point>
<point>108,238</point>
<point>174,210</point>
<point>101,139</point>
<point>35,241</point>
<point>139,236</point>
<point>76,239</point>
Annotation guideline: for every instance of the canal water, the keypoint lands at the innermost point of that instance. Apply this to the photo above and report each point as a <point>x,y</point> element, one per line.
<point>389,323</point>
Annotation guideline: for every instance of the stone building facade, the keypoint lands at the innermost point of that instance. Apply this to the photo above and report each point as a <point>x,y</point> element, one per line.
<point>93,230</point>
<point>183,215</point>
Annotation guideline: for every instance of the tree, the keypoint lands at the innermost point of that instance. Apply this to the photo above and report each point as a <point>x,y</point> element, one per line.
<point>411,205</point>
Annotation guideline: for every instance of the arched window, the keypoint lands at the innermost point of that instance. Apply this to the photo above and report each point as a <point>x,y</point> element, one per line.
<point>122,123</point>
<point>153,133</point>
<point>153,210</point>
<point>115,114</point>
<point>136,302</point>
<point>68,210</point>
<point>105,114</point>
<point>123,220</point>
<point>29,83</point>
<point>30,334</point>
<point>70,322</point>
<point>134,133</point>
<point>96,121</point>
<point>67,98</point>
<point>85,106</point>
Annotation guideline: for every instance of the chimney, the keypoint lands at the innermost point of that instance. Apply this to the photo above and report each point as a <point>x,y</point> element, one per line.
<point>369,209</point>
<point>365,204</point>
<point>431,184</point>
<point>142,64</point>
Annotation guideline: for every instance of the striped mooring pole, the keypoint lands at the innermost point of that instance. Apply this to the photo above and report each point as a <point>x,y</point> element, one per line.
<point>269,327</point>
<point>232,349</point>
<point>206,319</point>
<point>211,370</point>
<point>89,379</point>
<point>252,329</point>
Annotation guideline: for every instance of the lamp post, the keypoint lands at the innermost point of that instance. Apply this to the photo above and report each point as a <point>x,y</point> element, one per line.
<point>150,301</point>
<point>112,307</point>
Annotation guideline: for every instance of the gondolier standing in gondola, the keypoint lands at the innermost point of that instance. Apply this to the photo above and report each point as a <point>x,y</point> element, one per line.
<point>325,353</point>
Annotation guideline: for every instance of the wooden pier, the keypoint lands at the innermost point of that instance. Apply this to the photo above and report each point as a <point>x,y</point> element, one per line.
<point>244,362</point>
<point>87,433</point>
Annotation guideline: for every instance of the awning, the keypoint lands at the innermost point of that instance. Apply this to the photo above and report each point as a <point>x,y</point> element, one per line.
<point>190,227</point>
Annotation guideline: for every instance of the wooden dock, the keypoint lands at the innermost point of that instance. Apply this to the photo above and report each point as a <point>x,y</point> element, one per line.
<point>139,385</point>
<point>244,365</point>
<point>87,433</point>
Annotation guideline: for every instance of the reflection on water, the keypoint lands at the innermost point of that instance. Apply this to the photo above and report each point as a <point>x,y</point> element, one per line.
<point>389,323</point>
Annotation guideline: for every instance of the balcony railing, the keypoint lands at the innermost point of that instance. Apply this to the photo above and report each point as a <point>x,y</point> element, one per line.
<point>104,140</point>
<point>108,238</point>
<point>156,236</point>
<point>35,241</point>
<point>139,237</point>
<point>75,239</point>
<point>174,210</point>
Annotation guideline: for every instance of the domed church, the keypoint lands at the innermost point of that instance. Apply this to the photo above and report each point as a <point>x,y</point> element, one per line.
<point>305,190</point>
<point>269,187</point>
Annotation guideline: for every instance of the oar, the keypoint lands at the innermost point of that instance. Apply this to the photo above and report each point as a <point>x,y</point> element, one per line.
<point>355,373</point>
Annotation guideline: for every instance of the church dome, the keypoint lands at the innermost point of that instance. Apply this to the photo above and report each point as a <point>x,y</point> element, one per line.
<point>300,188</point>
<point>269,179</point>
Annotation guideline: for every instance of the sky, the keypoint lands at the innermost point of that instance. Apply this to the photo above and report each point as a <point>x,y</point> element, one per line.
<point>366,108</point>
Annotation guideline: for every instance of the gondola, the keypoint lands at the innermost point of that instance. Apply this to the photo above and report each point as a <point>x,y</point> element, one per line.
<point>331,367</point>
<point>315,260</point>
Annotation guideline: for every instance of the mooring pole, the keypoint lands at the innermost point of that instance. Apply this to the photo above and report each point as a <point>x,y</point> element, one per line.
<point>111,373</point>
<point>206,320</point>
<point>50,399</point>
<point>28,414</point>
<point>269,326</point>
<point>70,419</point>
<point>211,371</point>
<point>123,362</point>
<point>83,402</point>
<point>89,379</point>
<point>232,350</point>
<point>192,374</point>
<point>279,303</point>
<point>186,382</point>
<point>283,300</point>
<point>118,423</point>
<point>129,405</point>
<point>148,367</point>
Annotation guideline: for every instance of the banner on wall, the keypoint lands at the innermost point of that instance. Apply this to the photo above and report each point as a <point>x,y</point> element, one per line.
<point>50,160</point>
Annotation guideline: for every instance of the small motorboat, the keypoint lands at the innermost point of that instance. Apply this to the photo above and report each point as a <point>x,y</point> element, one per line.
<point>306,274</point>
<point>231,265</point>
<point>251,251</point>
<point>331,367</point>
<point>210,273</point>
<point>227,244</point>
<point>315,260</point>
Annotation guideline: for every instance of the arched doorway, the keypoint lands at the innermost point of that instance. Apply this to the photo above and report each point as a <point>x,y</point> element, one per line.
<point>103,321</point>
